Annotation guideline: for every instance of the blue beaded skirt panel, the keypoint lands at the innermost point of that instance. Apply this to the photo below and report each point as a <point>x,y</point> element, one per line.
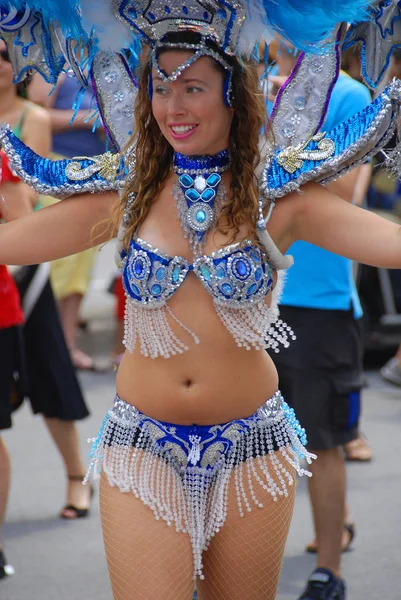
<point>183,472</point>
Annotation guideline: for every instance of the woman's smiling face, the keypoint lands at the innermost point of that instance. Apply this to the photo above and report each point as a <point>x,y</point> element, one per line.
<point>190,111</point>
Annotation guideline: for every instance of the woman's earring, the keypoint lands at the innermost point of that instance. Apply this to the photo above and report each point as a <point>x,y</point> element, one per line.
<point>150,87</point>
<point>228,99</point>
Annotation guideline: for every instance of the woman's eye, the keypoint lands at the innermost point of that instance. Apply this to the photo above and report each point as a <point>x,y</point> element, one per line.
<point>194,89</point>
<point>161,90</point>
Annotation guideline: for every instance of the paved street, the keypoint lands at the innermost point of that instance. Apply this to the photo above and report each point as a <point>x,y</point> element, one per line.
<point>58,560</point>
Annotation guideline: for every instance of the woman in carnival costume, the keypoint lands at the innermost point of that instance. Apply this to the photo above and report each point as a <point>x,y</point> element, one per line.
<point>199,437</point>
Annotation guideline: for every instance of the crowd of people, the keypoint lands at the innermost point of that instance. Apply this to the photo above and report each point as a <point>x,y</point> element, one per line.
<point>157,403</point>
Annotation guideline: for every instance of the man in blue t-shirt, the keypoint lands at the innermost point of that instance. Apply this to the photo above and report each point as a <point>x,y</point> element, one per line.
<point>320,374</point>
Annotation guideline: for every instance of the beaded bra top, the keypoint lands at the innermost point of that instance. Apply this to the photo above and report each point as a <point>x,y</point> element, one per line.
<point>235,276</point>
<point>238,277</point>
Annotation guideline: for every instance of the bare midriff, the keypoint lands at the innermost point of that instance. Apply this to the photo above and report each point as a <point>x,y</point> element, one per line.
<point>215,381</point>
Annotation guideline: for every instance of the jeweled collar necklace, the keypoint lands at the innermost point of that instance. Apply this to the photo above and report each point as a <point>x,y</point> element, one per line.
<point>199,188</point>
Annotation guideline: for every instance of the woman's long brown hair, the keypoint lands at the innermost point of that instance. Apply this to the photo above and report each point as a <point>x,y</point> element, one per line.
<point>154,155</point>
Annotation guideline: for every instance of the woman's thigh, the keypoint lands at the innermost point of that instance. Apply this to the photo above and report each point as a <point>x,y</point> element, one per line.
<point>244,559</point>
<point>147,559</point>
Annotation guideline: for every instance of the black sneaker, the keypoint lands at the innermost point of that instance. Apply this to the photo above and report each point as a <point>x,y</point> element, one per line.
<point>324,585</point>
<point>5,569</point>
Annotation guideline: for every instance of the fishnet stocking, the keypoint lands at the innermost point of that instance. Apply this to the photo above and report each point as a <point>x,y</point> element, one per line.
<point>149,560</point>
<point>243,561</point>
<point>146,558</point>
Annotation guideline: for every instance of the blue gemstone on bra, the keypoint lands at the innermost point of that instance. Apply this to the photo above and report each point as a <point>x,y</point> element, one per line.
<point>135,289</point>
<point>227,289</point>
<point>241,268</point>
<point>186,181</point>
<point>192,195</point>
<point>201,216</point>
<point>252,289</point>
<point>255,256</point>
<point>160,273</point>
<point>208,195</point>
<point>156,289</point>
<point>139,267</point>
<point>258,274</point>
<point>176,274</point>
<point>205,272</point>
<point>167,9</point>
<point>213,179</point>
<point>220,272</point>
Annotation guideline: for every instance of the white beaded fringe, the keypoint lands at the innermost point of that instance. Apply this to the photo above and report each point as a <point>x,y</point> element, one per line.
<point>256,327</point>
<point>150,328</point>
<point>192,498</point>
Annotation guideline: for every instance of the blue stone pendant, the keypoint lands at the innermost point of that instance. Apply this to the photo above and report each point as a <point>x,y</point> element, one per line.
<point>200,194</point>
<point>199,182</point>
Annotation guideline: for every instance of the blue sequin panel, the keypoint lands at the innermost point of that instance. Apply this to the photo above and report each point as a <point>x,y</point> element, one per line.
<point>47,176</point>
<point>151,277</point>
<point>344,136</point>
<point>235,275</point>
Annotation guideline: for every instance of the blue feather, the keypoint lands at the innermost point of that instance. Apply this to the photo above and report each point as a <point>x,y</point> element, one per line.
<point>306,23</point>
<point>65,12</point>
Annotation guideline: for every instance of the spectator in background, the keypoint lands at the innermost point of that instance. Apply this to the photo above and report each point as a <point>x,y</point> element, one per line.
<point>70,276</point>
<point>321,373</point>
<point>34,358</point>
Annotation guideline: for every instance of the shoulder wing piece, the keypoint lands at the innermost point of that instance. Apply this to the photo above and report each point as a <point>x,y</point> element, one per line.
<point>380,36</point>
<point>62,178</point>
<point>327,156</point>
<point>302,102</point>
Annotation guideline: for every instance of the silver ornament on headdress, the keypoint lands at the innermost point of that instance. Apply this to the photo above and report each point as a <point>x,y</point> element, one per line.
<point>220,21</point>
<point>218,25</point>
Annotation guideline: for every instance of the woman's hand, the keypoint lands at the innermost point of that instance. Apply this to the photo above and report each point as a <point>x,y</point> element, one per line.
<point>60,230</point>
<point>323,219</point>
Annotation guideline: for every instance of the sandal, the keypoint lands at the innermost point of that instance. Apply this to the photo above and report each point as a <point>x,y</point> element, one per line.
<point>78,513</point>
<point>358,450</point>
<point>349,529</point>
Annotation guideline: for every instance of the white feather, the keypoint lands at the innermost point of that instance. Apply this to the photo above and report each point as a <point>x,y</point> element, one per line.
<point>111,33</point>
<point>255,28</point>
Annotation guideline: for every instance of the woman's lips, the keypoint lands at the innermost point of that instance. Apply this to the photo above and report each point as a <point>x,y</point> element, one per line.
<point>182,131</point>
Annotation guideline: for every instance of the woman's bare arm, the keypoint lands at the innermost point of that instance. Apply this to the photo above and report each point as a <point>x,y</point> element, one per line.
<point>59,230</point>
<point>325,220</point>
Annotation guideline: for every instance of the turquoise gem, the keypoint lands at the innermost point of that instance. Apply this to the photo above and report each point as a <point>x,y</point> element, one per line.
<point>208,195</point>
<point>135,289</point>
<point>186,181</point>
<point>160,273</point>
<point>255,256</point>
<point>227,289</point>
<point>201,216</point>
<point>156,289</point>
<point>139,267</point>
<point>214,179</point>
<point>241,268</point>
<point>205,272</point>
<point>176,274</point>
<point>192,195</point>
<point>252,289</point>
<point>220,272</point>
<point>258,274</point>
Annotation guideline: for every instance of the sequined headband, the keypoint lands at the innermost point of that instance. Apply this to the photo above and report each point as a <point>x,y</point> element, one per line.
<point>199,46</point>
